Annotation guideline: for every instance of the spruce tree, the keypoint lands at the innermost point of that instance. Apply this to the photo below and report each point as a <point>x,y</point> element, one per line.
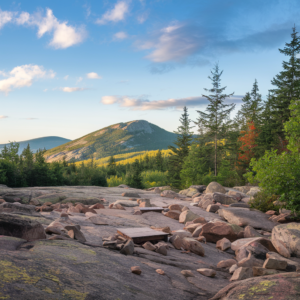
<point>183,143</point>
<point>215,120</point>
<point>159,161</point>
<point>287,84</point>
<point>252,107</point>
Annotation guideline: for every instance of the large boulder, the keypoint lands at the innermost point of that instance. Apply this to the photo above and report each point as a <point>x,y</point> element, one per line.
<point>245,216</point>
<point>214,187</point>
<point>243,189</point>
<point>10,243</point>
<point>193,246</point>
<point>190,192</point>
<point>19,209</point>
<point>53,198</point>
<point>213,232</point>
<point>224,199</point>
<point>278,286</point>
<point>286,239</point>
<point>13,225</point>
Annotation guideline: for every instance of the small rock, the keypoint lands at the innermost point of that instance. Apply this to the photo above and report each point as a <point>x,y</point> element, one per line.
<point>130,195</point>
<point>187,273</point>
<point>242,273</point>
<point>251,232</point>
<point>193,246</point>
<point>128,248</point>
<point>233,268</point>
<point>160,271</point>
<point>200,220</point>
<point>97,206</point>
<point>136,270</point>
<point>212,208</point>
<point>223,244</point>
<point>272,263</point>
<point>186,216</point>
<point>175,207</point>
<point>173,214</point>
<point>259,271</point>
<point>149,246</point>
<point>226,263</point>
<point>207,272</point>
<point>201,239</point>
<point>197,231</point>
<point>161,250</point>
<point>271,212</point>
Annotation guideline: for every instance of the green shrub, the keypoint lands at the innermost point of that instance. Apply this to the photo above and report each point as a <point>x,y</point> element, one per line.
<point>115,181</point>
<point>264,202</point>
<point>278,175</point>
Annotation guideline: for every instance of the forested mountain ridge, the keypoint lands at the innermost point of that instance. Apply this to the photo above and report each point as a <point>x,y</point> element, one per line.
<point>47,142</point>
<point>133,136</point>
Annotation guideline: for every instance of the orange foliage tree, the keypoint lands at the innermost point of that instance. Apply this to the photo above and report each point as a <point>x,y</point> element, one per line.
<point>247,139</point>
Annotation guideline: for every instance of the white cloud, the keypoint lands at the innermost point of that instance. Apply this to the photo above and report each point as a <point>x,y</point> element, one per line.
<point>23,76</point>
<point>93,75</point>
<point>66,77</point>
<point>72,89</point>
<point>3,117</point>
<point>172,43</point>
<point>63,35</point>
<point>121,35</point>
<point>45,90</point>
<point>142,18</point>
<point>141,103</point>
<point>117,14</point>
<point>6,17</point>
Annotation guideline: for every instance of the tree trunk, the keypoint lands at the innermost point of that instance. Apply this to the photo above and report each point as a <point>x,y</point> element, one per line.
<point>215,155</point>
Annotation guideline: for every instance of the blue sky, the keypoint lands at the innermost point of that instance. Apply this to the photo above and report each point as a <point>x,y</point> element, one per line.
<point>70,69</point>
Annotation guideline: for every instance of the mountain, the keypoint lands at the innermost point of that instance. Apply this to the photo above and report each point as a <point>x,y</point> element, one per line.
<point>47,142</point>
<point>116,139</point>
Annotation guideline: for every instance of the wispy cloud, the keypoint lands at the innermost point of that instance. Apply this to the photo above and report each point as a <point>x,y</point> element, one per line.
<point>31,119</point>
<point>224,27</point>
<point>66,77</point>
<point>93,75</point>
<point>6,17</point>
<point>141,103</point>
<point>116,14</point>
<point>63,35</point>
<point>3,117</point>
<point>22,76</point>
<point>79,79</point>
<point>121,35</point>
<point>72,89</point>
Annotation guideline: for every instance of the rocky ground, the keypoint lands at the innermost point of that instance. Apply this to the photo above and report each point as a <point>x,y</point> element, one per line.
<point>62,243</point>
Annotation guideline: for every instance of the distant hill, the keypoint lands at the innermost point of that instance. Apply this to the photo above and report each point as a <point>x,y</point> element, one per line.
<point>47,142</point>
<point>116,139</point>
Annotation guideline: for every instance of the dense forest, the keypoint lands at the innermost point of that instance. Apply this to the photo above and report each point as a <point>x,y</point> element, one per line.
<point>260,145</point>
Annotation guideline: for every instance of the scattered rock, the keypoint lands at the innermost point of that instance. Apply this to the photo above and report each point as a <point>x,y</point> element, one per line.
<point>259,271</point>
<point>187,273</point>
<point>169,194</point>
<point>200,220</point>
<point>223,244</point>
<point>241,274</point>
<point>207,272</point>
<point>176,207</point>
<point>233,268</point>
<point>97,206</point>
<point>226,263</point>
<point>212,208</point>
<point>149,246</point>
<point>136,270</point>
<point>187,216</point>
<point>161,250</point>
<point>126,203</point>
<point>214,232</point>
<point>251,232</point>
<point>272,263</point>
<point>193,246</point>
<point>131,195</point>
<point>173,214</point>
<point>160,271</point>
<point>128,248</point>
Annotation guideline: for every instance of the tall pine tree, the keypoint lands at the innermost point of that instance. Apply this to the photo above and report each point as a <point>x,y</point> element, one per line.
<point>215,120</point>
<point>287,84</point>
<point>183,143</point>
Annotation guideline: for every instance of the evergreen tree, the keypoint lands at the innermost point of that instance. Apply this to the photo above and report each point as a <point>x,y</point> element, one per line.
<point>287,84</point>
<point>215,120</point>
<point>183,142</point>
<point>252,107</point>
<point>159,161</point>
<point>133,177</point>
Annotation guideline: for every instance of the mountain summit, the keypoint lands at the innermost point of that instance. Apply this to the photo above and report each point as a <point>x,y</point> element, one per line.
<point>138,135</point>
